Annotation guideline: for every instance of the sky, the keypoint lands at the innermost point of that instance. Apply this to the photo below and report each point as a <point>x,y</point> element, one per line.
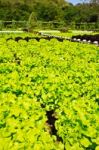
<point>75,1</point>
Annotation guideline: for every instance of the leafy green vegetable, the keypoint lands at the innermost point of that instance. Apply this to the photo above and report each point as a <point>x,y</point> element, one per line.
<point>37,77</point>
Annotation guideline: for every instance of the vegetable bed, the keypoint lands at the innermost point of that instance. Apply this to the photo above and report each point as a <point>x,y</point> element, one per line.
<point>49,95</point>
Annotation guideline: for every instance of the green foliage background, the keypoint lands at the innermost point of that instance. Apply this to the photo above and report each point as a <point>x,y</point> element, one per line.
<point>49,10</point>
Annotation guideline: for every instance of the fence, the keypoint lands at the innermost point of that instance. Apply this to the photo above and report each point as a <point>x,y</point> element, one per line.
<point>48,25</point>
<point>86,26</point>
<point>12,24</point>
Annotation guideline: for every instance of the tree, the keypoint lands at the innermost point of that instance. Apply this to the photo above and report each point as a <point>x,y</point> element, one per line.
<point>94,1</point>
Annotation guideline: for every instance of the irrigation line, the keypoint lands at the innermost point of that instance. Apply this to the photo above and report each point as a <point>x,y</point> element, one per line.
<point>11,31</point>
<point>70,39</point>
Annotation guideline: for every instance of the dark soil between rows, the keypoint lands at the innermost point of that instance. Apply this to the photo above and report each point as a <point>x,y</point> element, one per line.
<point>92,38</point>
<point>33,38</point>
<point>88,38</point>
<point>51,123</point>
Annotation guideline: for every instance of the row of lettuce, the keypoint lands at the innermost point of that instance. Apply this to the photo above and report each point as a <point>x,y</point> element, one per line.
<point>37,77</point>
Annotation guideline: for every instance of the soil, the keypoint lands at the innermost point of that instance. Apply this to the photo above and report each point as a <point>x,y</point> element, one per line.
<point>51,123</point>
<point>36,38</point>
<point>87,38</point>
<point>90,38</point>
